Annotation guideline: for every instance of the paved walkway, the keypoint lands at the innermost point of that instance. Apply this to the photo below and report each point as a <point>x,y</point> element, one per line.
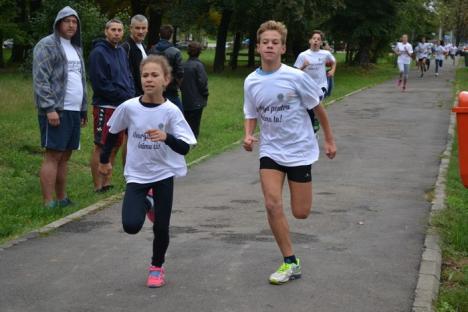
<point>360,248</point>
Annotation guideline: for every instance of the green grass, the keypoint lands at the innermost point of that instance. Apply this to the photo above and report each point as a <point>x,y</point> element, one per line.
<point>21,156</point>
<point>452,223</point>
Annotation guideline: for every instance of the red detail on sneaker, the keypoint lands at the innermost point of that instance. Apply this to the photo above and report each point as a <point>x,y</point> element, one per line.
<point>156,277</point>
<point>150,215</point>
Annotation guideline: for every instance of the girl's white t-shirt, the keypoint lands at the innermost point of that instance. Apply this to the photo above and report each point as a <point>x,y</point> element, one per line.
<point>151,161</point>
<point>279,101</point>
<point>404,49</point>
<point>317,65</point>
<point>74,91</point>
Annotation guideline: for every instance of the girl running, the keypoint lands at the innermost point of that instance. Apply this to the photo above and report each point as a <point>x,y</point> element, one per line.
<point>404,50</point>
<point>158,137</point>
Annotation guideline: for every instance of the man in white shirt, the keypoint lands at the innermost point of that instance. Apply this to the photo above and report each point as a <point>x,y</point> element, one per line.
<point>136,49</point>
<point>60,95</point>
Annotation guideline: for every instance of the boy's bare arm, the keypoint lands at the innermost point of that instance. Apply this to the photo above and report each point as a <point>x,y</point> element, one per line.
<point>249,139</point>
<point>330,146</point>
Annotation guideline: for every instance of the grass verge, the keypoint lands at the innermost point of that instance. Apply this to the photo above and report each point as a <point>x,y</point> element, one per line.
<point>21,156</point>
<point>452,223</point>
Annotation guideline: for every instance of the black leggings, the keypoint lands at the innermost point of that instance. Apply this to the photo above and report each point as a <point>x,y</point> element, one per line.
<point>134,213</point>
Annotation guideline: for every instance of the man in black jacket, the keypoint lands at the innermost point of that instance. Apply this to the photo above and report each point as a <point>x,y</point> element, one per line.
<point>135,48</point>
<point>174,57</point>
<point>194,88</point>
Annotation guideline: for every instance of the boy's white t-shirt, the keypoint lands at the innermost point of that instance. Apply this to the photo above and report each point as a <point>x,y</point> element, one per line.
<point>317,65</point>
<point>279,101</point>
<point>402,48</point>
<point>74,91</point>
<point>422,50</point>
<point>439,52</point>
<point>151,161</point>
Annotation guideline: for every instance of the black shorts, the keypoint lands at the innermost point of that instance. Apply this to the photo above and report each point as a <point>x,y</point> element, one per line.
<point>66,136</point>
<point>301,174</point>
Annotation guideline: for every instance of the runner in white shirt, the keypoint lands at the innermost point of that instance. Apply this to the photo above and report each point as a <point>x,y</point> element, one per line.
<point>313,61</point>
<point>422,55</point>
<point>404,50</point>
<point>440,53</point>
<point>278,96</point>
<point>158,137</point>
<point>452,51</point>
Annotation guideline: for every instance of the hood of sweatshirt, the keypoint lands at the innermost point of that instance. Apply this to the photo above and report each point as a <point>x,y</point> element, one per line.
<point>163,44</point>
<point>65,12</point>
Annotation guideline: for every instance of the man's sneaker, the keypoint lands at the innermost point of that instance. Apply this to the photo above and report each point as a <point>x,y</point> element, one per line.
<point>286,272</point>
<point>156,277</point>
<point>51,205</point>
<point>150,205</point>
<point>65,202</point>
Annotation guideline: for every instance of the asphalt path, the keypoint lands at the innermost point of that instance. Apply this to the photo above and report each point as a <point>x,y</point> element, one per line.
<point>360,248</point>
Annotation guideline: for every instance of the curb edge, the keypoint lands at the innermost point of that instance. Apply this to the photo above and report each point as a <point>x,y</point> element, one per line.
<point>427,288</point>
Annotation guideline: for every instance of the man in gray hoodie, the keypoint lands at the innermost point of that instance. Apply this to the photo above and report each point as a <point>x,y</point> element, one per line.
<point>60,95</point>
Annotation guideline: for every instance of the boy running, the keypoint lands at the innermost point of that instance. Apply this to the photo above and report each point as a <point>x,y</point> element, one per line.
<point>314,62</point>
<point>279,97</point>
<point>422,55</point>
<point>440,52</point>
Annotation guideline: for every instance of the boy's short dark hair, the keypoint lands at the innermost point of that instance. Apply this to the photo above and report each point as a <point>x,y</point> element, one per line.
<point>194,49</point>
<point>322,35</point>
<point>166,31</point>
<point>113,21</point>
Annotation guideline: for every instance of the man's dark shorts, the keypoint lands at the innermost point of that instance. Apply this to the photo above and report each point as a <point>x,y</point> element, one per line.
<point>301,174</point>
<point>65,136</point>
<point>101,116</point>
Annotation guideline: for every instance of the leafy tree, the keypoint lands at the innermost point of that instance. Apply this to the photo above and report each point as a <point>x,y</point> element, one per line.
<point>92,21</point>
<point>366,27</point>
<point>416,18</point>
<point>8,27</point>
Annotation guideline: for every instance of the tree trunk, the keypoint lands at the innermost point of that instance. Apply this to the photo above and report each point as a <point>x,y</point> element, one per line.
<point>220,54</point>
<point>155,21</point>
<point>2,62</point>
<point>235,50</point>
<point>252,46</point>
<point>175,34</point>
<point>347,56</point>
<point>362,57</point>
<point>18,52</point>
<point>35,5</point>
<point>138,7</point>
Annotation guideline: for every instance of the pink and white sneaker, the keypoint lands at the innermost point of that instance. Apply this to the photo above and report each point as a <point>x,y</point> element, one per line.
<point>150,206</point>
<point>156,277</point>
